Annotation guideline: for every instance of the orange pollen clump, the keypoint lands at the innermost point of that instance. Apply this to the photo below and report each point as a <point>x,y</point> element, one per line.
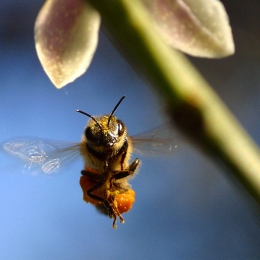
<point>86,183</point>
<point>125,200</point>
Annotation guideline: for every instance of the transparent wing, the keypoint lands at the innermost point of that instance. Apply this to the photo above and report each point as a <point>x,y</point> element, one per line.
<point>160,140</point>
<point>44,154</point>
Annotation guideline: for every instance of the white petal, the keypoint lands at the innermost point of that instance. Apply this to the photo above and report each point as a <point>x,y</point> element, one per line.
<point>197,27</point>
<point>66,36</point>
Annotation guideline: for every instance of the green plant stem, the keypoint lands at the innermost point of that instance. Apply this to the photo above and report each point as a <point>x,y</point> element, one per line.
<point>192,104</point>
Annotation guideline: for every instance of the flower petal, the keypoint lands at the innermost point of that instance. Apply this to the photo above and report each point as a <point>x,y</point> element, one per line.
<point>197,27</point>
<point>66,36</point>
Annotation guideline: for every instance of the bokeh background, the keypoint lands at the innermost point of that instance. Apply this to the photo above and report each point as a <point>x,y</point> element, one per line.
<point>185,207</point>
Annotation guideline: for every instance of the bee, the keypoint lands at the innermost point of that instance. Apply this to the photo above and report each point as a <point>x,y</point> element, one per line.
<point>106,149</point>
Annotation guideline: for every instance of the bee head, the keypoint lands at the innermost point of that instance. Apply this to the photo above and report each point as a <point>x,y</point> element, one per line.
<point>99,133</point>
<point>105,130</point>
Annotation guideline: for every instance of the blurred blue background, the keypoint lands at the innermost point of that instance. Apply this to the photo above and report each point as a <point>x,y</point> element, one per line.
<point>185,207</point>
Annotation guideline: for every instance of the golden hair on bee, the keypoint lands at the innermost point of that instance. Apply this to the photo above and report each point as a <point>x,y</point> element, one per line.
<point>106,149</point>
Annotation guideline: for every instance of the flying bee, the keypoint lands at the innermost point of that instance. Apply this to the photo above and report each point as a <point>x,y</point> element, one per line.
<point>106,149</point>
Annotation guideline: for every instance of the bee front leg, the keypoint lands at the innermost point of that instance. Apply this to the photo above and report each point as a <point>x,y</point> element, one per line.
<point>130,170</point>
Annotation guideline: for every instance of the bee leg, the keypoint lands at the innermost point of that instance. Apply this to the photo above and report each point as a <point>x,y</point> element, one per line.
<point>99,184</point>
<point>130,170</point>
<point>107,200</point>
<point>114,212</point>
<point>91,175</point>
<point>133,166</point>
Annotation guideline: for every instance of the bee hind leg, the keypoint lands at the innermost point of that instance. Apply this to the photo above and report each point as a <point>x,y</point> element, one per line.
<point>113,212</point>
<point>108,202</point>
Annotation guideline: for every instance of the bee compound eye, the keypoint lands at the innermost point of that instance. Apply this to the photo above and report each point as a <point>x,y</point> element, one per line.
<point>90,136</point>
<point>121,129</point>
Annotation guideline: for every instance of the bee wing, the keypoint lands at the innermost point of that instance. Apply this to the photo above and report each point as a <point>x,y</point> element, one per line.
<point>160,140</point>
<point>44,154</point>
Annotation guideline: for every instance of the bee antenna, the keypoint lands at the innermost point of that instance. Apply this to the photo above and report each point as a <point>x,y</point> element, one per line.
<point>92,117</point>
<point>113,111</point>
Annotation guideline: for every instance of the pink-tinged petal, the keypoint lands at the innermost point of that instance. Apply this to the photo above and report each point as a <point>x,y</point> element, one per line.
<point>197,27</point>
<point>66,36</point>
